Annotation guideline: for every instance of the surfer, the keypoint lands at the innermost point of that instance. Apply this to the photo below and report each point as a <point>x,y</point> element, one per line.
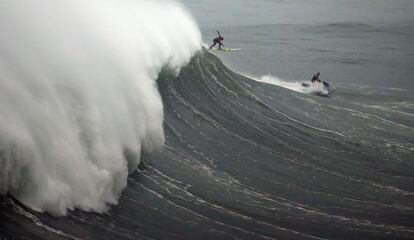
<point>316,78</point>
<point>218,40</point>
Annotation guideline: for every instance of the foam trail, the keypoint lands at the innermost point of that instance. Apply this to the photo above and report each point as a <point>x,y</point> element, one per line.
<point>79,100</point>
<point>294,86</point>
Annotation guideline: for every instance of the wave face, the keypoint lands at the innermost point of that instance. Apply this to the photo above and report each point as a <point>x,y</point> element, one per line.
<point>247,160</point>
<point>79,101</point>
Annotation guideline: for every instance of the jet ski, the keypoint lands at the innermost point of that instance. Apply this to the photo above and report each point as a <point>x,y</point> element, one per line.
<point>322,88</point>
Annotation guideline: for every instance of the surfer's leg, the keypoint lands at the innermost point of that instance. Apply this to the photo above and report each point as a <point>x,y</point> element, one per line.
<point>214,44</point>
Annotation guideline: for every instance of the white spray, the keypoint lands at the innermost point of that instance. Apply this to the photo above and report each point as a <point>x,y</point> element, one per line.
<point>78,98</point>
<point>314,88</point>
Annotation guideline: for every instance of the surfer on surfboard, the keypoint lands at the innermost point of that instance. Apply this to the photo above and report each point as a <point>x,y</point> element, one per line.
<point>218,40</point>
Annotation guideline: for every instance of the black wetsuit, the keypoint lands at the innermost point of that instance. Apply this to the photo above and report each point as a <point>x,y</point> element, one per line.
<point>218,40</point>
<point>315,78</point>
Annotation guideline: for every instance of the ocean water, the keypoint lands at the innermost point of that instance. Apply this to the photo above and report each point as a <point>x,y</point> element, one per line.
<point>349,42</point>
<point>248,153</point>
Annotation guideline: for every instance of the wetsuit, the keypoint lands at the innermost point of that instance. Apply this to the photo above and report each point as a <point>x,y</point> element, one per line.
<point>218,40</point>
<point>316,78</point>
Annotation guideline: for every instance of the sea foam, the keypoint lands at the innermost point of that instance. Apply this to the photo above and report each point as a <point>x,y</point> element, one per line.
<point>314,88</point>
<point>79,101</point>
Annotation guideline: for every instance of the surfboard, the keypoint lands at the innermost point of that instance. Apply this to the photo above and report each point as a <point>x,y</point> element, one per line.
<point>226,49</point>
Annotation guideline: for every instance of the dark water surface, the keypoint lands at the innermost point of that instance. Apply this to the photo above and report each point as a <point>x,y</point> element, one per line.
<point>360,42</point>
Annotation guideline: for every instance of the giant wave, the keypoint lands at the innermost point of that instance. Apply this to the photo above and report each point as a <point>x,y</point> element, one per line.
<point>247,160</point>
<point>79,101</point>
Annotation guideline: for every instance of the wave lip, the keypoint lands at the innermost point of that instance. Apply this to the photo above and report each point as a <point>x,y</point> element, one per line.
<point>79,97</point>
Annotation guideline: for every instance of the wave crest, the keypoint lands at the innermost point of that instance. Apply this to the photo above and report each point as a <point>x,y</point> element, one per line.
<point>79,100</point>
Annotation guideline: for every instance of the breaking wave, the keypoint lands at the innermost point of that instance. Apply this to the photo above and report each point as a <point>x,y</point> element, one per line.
<point>79,100</point>
<point>247,160</point>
